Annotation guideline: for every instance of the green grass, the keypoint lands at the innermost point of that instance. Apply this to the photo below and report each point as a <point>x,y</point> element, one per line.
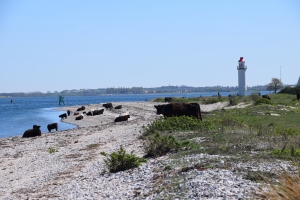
<point>261,128</point>
<point>264,131</point>
<point>213,99</point>
<point>285,99</point>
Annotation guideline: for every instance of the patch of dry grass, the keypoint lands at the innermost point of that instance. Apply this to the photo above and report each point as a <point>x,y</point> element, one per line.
<point>288,188</point>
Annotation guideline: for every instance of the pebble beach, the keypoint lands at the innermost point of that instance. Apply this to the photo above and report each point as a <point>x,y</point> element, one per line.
<point>76,170</point>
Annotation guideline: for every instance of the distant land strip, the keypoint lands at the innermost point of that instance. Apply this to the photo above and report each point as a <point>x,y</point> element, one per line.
<point>133,90</point>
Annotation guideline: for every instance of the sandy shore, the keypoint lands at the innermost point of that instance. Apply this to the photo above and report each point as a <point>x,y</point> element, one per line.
<point>29,171</point>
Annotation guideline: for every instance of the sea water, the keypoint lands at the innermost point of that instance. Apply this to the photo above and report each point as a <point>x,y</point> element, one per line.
<point>23,113</point>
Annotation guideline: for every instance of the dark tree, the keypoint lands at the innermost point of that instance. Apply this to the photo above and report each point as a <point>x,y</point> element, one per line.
<point>275,85</point>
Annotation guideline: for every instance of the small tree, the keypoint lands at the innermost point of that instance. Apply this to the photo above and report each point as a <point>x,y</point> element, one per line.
<point>275,85</point>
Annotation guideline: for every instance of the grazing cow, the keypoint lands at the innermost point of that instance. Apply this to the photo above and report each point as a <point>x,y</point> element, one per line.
<point>81,108</point>
<point>62,116</point>
<point>118,107</point>
<point>266,97</point>
<point>122,118</point>
<point>98,112</point>
<point>107,105</point>
<point>52,126</point>
<point>76,113</point>
<point>179,109</point>
<point>80,117</point>
<point>69,112</point>
<point>298,96</point>
<point>168,99</point>
<point>32,132</point>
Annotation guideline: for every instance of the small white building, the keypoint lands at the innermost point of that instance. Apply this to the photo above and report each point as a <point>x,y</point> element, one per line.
<point>242,77</point>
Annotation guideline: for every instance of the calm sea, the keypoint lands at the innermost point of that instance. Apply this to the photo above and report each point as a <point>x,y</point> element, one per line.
<point>20,115</point>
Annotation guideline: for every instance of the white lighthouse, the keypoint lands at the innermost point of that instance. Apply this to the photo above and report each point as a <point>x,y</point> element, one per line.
<point>242,77</point>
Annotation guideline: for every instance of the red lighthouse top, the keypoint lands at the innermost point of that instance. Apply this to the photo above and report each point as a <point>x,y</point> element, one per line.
<point>241,59</point>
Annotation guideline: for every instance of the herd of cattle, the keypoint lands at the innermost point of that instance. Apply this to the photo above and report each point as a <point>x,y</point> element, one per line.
<point>35,131</point>
<point>167,110</point>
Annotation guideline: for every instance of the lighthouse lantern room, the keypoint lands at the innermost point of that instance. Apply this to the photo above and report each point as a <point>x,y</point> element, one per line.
<point>242,77</point>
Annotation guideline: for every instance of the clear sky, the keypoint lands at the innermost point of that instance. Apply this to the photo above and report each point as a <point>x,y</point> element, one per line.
<point>55,45</point>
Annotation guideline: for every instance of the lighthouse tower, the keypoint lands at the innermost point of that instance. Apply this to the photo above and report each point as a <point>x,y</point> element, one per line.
<point>242,77</point>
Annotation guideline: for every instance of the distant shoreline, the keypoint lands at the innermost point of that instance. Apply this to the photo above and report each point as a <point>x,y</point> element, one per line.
<point>25,95</point>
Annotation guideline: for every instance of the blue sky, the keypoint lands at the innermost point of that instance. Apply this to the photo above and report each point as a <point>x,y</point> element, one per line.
<point>56,45</point>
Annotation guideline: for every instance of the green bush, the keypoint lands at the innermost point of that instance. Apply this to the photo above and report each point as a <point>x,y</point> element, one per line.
<point>160,145</point>
<point>233,100</point>
<point>286,152</point>
<point>290,90</point>
<point>287,131</point>
<point>263,101</point>
<point>181,123</point>
<point>121,161</point>
<point>51,150</point>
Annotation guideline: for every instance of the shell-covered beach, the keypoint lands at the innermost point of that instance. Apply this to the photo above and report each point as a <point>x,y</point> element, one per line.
<point>76,170</point>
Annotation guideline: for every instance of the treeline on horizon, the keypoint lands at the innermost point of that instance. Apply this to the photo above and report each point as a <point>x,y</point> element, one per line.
<point>133,90</point>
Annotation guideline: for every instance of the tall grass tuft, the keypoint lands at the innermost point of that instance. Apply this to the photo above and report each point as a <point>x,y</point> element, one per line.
<point>288,188</point>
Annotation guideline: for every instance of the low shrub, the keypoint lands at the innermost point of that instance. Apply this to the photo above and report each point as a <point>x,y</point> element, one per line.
<point>286,131</point>
<point>233,100</point>
<point>121,161</point>
<point>286,152</point>
<point>181,123</point>
<point>51,150</point>
<point>160,145</point>
<point>290,90</point>
<point>263,101</point>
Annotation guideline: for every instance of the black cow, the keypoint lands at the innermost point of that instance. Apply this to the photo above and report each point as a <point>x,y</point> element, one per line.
<point>32,132</point>
<point>69,112</point>
<point>81,108</point>
<point>52,126</point>
<point>62,116</point>
<point>107,105</point>
<point>179,109</point>
<point>98,112</point>
<point>298,96</point>
<point>118,107</point>
<point>266,97</point>
<point>90,113</point>
<point>80,117</point>
<point>168,99</point>
<point>122,118</point>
